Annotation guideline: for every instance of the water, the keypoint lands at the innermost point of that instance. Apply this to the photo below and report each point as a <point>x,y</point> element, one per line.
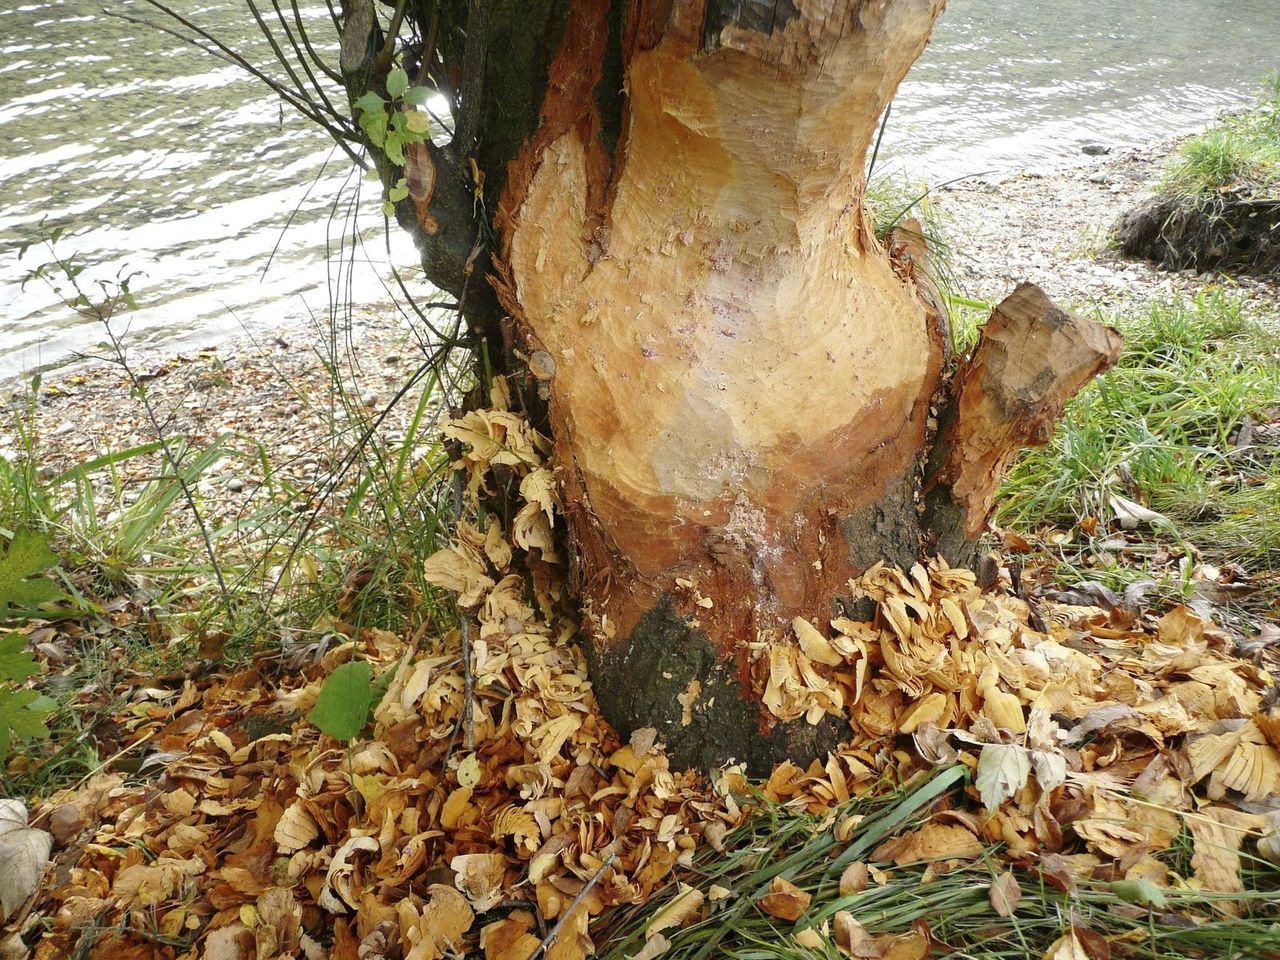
<point>156,157</point>
<point>1012,85</point>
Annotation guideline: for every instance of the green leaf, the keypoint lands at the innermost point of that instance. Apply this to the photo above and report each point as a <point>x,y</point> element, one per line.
<point>22,713</point>
<point>397,82</point>
<point>28,555</point>
<point>15,662</point>
<point>1142,892</point>
<point>394,146</point>
<point>342,709</point>
<point>388,208</point>
<point>398,192</point>
<point>418,122</point>
<point>418,96</point>
<point>370,103</point>
<point>375,127</point>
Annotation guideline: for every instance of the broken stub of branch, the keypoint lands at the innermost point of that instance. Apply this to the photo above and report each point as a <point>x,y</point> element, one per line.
<point>1032,357</point>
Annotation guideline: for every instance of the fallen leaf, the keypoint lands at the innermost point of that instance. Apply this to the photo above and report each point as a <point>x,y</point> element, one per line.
<point>678,911</point>
<point>934,841</point>
<point>784,900</point>
<point>1005,892</point>
<point>1217,834</point>
<point>23,853</point>
<point>1002,771</point>
<point>854,878</point>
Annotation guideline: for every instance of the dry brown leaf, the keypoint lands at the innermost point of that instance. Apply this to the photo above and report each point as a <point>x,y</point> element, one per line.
<point>784,900</point>
<point>480,877</point>
<point>509,938</point>
<point>1242,760</point>
<point>438,932</point>
<point>296,828</point>
<point>1217,834</point>
<point>278,930</point>
<point>653,947</point>
<point>851,936</point>
<point>934,841</point>
<point>1005,892</point>
<point>906,946</point>
<point>679,910</point>
<point>1067,947</point>
<point>145,885</point>
<point>854,878</point>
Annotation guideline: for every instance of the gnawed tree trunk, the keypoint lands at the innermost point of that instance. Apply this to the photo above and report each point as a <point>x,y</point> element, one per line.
<point>742,383</point>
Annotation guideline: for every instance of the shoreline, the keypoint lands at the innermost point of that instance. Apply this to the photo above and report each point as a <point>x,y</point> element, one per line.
<point>273,390</point>
<point>1052,229</point>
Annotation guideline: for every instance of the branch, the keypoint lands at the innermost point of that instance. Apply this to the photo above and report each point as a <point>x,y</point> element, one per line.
<point>1031,359</point>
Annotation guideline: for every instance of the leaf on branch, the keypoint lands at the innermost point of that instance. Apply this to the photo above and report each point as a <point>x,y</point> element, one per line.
<point>369,103</point>
<point>418,96</point>
<point>397,82</point>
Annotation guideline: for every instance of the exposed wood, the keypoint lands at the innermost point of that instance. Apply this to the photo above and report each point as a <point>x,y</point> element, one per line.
<point>1032,357</point>
<point>742,376</point>
<point>742,383</point>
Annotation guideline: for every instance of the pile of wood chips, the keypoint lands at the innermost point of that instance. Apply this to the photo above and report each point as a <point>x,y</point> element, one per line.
<point>1093,745</point>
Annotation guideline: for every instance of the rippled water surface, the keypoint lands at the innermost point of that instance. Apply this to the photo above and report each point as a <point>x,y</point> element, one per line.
<point>157,158</point>
<point>1022,84</point>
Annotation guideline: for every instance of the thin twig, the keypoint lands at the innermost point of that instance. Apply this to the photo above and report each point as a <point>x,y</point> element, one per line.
<point>577,901</point>
<point>104,313</point>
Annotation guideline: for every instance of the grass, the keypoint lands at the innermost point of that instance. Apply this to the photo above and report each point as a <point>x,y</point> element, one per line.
<point>891,201</point>
<point>1239,152</point>
<point>1161,428</point>
<point>155,583</point>
<point>348,551</point>
<point>955,904</point>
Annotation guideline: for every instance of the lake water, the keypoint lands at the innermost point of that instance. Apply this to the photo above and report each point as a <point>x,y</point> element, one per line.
<point>156,158</point>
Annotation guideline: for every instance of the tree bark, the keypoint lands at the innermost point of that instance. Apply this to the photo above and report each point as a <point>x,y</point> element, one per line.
<point>743,385</point>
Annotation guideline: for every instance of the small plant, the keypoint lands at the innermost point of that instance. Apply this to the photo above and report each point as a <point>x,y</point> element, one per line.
<point>392,125</point>
<point>22,590</point>
<point>62,274</point>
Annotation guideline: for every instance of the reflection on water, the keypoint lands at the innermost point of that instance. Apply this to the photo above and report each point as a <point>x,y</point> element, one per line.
<point>158,158</point>
<point>1022,84</point>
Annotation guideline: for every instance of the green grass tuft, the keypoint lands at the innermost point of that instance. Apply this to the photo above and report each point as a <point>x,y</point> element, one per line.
<point>1240,151</point>
<point>1161,423</point>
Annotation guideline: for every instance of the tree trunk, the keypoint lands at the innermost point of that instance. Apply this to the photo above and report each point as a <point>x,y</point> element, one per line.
<point>748,393</point>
